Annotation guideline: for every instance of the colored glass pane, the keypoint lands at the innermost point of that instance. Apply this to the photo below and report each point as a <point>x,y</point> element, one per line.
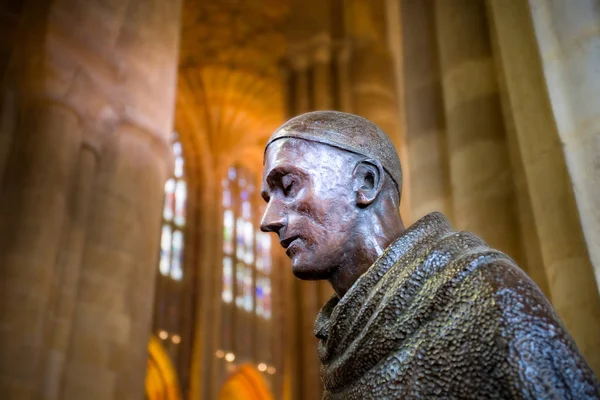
<point>263,252</point>
<point>259,297</point>
<point>267,298</point>
<point>177,148</point>
<point>266,252</point>
<point>226,198</point>
<point>248,292</point>
<point>248,236</point>
<point>240,272</point>
<point>231,173</point>
<point>165,250</point>
<point>228,232</point>
<point>246,213</point>
<point>169,200</point>
<point>259,259</point>
<point>227,280</point>
<point>239,238</point>
<point>178,167</point>
<point>176,271</point>
<point>180,197</point>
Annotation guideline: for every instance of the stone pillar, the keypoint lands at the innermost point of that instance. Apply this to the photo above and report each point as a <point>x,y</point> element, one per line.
<point>568,268</point>
<point>10,19</point>
<point>94,104</point>
<point>301,85</point>
<point>322,85</point>
<point>532,253</point>
<point>343,80</point>
<point>112,315</point>
<point>425,130</point>
<point>205,366</point>
<point>480,176</point>
<point>568,35</point>
<point>373,94</point>
<point>32,211</point>
<point>65,283</point>
<point>372,71</point>
<point>8,121</point>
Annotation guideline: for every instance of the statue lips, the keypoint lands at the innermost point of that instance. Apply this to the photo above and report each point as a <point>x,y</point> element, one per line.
<point>287,243</point>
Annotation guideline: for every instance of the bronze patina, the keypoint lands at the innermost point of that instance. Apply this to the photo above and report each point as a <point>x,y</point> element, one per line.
<point>419,313</point>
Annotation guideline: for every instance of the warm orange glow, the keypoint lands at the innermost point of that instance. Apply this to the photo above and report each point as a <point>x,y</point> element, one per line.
<point>161,378</point>
<point>176,339</point>
<point>246,383</point>
<point>220,354</point>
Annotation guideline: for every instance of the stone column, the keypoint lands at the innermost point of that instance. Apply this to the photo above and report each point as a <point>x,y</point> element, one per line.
<point>32,211</point>
<point>373,93</point>
<point>66,279</point>
<point>8,121</point>
<point>107,349</point>
<point>10,19</point>
<point>425,130</point>
<point>532,252</point>
<point>342,60</point>
<point>300,85</point>
<point>480,176</point>
<point>89,77</point>
<point>568,35</point>
<point>568,268</point>
<point>206,368</point>
<point>322,85</point>
<point>372,71</point>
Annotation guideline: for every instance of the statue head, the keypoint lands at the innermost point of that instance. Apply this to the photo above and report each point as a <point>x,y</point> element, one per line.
<point>332,182</point>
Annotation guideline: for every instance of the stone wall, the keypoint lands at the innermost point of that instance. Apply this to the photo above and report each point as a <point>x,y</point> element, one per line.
<point>88,98</point>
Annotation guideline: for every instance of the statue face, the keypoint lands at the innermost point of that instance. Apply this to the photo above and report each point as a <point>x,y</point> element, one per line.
<point>311,204</point>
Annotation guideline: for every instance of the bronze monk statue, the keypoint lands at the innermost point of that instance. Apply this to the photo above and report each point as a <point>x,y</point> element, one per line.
<point>419,313</point>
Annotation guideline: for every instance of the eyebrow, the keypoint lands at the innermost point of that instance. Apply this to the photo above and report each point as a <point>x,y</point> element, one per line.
<point>269,179</point>
<point>279,172</point>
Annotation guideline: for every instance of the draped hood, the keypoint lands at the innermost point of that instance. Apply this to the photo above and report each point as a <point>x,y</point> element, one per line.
<point>441,315</point>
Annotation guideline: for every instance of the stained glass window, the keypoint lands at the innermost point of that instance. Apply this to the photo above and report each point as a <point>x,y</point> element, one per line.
<point>263,271</point>
<point>171,293</point>
<point>227,279</point>
<point>246,250</point>
<point>174,218</point>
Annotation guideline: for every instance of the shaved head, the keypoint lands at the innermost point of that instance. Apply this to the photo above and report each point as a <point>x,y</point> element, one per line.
<point>332,185</point>
<point>347,132</point>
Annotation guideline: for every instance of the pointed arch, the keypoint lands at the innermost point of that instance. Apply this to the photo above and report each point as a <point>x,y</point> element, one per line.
<point>161,378</point>
<point>246,383</point>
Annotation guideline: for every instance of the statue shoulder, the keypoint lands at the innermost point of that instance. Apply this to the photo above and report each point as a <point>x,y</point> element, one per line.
<point>543,360</point>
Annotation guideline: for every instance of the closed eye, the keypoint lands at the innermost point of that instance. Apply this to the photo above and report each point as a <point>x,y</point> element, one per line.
<point>287,184</point>
<point>287,188</point>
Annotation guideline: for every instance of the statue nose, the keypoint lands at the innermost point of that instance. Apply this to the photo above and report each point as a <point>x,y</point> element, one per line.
<point>273,220</point>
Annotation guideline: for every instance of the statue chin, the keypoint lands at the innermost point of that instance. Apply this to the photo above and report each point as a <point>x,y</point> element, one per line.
<point>310,272</point>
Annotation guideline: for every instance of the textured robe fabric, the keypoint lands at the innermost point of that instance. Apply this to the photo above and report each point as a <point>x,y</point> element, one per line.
<point>440,315</point>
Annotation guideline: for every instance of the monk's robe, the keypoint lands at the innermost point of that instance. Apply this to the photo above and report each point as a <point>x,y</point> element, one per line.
<point>442,315</point>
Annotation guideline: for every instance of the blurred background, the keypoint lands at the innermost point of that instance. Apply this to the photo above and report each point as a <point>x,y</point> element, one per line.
<point>131,141</point>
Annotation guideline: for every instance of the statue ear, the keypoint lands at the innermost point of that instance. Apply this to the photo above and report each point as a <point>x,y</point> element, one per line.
<point>368,181</point>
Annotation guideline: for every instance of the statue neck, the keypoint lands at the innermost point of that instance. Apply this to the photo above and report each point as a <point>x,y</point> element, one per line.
<point>374,233</point>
